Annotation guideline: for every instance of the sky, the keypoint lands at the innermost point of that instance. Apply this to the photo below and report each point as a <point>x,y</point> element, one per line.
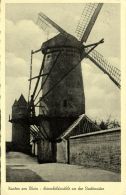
<point>23,35</point>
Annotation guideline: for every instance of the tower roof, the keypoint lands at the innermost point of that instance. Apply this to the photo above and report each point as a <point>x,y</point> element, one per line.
<point>21,101</point>
<point>15,103</point>
<point>61,41</point>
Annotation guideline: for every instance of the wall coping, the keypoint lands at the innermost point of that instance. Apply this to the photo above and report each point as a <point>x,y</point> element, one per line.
<point>96,133</point>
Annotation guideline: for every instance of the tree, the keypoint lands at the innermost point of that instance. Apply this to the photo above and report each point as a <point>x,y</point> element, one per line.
<point>108,124</point>
<point>103,125</point>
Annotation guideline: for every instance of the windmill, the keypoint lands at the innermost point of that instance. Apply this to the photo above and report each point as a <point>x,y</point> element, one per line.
<point>62,100</point>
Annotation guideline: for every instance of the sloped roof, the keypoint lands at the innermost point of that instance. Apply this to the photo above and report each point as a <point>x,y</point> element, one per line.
<point>80,126</point>
<point>15,103</point>
<point>21,101</point>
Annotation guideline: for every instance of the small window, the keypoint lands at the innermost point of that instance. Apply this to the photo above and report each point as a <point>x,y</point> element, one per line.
<point>65,103</point>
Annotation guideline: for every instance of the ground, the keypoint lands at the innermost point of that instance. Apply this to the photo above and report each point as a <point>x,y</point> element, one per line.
<point>24,168</point>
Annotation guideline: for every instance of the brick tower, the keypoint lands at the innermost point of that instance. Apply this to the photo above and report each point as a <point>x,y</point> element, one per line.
<point>66,101</point>
<point>20,130</point>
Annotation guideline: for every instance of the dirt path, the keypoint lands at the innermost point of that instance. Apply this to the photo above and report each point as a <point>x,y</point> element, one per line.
<point>24,168</point>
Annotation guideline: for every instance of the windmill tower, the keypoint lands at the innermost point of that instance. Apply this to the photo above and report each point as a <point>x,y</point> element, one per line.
<point>66,102</point>
<point>68,96</point>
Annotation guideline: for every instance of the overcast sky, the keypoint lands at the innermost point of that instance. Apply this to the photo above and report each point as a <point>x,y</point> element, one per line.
<point>23,35</point>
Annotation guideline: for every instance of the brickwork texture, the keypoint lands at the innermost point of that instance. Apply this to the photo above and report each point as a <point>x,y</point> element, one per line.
<point>100,150</point>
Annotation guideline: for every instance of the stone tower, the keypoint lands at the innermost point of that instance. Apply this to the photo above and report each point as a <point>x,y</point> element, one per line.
<point>66,102</point>
<point>20,129</point>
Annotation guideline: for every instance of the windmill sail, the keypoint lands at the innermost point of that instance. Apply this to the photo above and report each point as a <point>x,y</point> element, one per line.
<point>113,72</point>
<point>45,23</point>
<point>87,20</point>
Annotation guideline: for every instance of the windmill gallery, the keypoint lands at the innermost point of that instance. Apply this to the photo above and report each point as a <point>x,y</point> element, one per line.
<point>62,132</point>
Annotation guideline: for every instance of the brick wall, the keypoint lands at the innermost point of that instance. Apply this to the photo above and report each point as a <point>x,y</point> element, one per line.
<point>99,149</point>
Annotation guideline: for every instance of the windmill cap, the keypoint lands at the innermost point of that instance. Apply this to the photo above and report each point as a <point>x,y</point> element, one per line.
<point>61,41</point>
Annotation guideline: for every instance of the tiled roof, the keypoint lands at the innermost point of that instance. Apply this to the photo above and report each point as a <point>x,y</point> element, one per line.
<point>80,126</point>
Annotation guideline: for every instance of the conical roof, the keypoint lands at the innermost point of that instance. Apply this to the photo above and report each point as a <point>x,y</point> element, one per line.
<point>22,101</point>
